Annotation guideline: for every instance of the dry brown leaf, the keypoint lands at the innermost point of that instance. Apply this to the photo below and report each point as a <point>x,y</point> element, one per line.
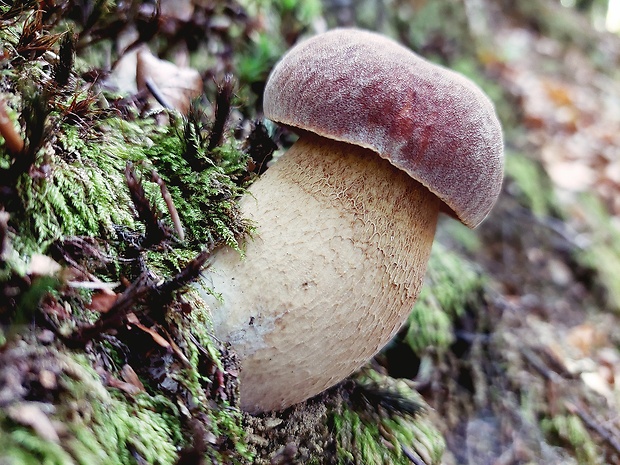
<point>133,320</point>
<point>558,92</point>
<point>130,376</point>
<point>102,301</point>
<point>30,414</point>
<point>175,86</point>
<point>127,388</point>
<point>587,338</point>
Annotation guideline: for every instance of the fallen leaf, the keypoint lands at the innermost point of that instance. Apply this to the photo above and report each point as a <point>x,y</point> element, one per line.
<point>133,320</point>
<point>130,376</point>
<point>597,383</point>
<point>42,265</point>
<point>30,414</point>
<point>173,86</point>
<point>587,338</point>
<point>127,388</point>
<point>102,302</point>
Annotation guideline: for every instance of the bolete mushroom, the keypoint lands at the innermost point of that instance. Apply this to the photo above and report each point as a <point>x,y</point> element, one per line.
<point>346,218</point>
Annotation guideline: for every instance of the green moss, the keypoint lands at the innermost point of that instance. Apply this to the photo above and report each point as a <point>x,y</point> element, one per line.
<point>21,446</point>
<point>226,419</point>
<point>569,431</point>
<point>530,184</point>
<point>205,199</point>
<point>452,283</point>
<point>603,249</point>
<point>80,196</point>
<point>85,193</point>
<point>374,434</point>
<point>98,426</point>
<point>171,262</point>
<point>104,426</point>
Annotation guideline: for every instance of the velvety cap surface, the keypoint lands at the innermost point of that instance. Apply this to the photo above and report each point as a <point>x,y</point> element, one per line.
<point>363,88</point>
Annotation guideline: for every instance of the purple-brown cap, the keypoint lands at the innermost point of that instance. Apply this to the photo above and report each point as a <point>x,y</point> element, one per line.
<point>362,88</point>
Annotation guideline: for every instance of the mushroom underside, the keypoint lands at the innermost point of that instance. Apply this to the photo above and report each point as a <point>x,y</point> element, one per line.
<point>337,260</point>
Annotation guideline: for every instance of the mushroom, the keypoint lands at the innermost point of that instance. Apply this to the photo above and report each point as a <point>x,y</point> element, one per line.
<point>346,218</point>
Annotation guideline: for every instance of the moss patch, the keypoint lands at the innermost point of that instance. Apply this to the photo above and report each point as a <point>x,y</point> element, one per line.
<point>452,283</point>
<point>86,423</point>
<point>383,420</point>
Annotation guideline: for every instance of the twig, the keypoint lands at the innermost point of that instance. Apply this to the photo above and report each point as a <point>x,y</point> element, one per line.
<point>142,290</point>
<point>156,231</point>
<point>411,455</point>
<point>596,426</point>
<point>189,273</point>
<point>539,365</point>
<point>174,214</point>
<point>154,90</point>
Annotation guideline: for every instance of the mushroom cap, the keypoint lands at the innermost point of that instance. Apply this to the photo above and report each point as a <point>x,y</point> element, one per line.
<point>362,88</point>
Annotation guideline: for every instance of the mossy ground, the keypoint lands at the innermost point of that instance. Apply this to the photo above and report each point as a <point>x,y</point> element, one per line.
<point>147,392</point>
<point>74,418</point>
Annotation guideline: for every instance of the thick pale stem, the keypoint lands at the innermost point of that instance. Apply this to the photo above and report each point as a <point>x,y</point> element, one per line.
<point>331,274</point>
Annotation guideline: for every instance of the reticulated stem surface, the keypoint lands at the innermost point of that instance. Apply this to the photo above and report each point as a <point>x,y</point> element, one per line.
<point>331,274</point>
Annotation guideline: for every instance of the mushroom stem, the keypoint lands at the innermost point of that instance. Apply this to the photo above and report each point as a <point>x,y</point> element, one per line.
<point>338,258</point>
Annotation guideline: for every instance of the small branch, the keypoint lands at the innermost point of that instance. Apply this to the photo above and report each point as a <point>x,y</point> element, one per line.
<point>411,455</point>
<point>154,90</point>
<point>596,426</point>
<point>189,273</point>
<point>155,228</point>
<point>539,365</point>
<point>174,214</point>
<point>142,292</point>
<point>12,140</point>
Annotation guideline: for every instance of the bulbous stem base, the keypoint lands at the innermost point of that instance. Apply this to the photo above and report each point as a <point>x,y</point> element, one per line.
<point>337,260</point>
